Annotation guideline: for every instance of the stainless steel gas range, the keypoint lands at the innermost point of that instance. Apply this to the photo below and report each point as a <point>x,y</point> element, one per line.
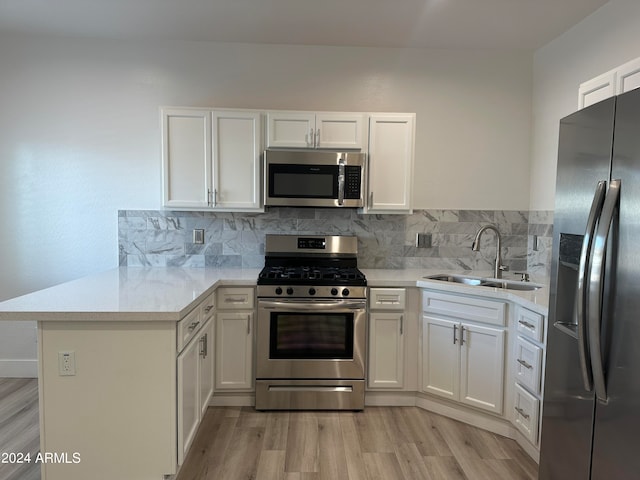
<point>311,327</point>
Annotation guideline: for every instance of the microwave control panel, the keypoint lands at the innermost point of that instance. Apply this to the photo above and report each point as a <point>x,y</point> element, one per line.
<point>353,181</point>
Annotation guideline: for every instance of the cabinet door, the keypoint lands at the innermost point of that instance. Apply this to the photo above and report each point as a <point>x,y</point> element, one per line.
<point>391,150</point>
<point>290,129</point>
<point>339,130</point>
<point>482,367</point>
<point>206,366</point>
<point>440,357</point>
<point>188,398</point>
<point>186,158</point>
<point>386,350</point>
<point>628,76</point>
<point>236,160</point>
<point>234,351</point>
<point>597,89</point>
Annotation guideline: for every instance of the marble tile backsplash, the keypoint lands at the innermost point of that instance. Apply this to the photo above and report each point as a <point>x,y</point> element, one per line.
<point>165,238</point>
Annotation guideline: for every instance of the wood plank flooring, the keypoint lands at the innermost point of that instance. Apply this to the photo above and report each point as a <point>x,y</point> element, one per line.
<point>381,443</point>
<point>19,426</point>
<point>236,443</point>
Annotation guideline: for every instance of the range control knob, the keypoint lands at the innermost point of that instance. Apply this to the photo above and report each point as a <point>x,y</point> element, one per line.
<point>345,292</point>
<point>312,291</point>
<point>278,291</point>
<point>334,291</point>
<point>289,291</point>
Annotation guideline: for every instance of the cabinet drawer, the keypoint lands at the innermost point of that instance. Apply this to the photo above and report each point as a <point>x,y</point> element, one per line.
<point>528,363</point>
<point>188,327</point>
<point>387,298</point>
<point>466,308</point>
<point>530,324</point>
<point>207,307</point>
<point>527,408</point>
<point>235,298</point>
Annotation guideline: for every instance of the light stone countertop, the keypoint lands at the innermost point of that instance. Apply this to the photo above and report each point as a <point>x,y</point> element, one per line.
<point>168,294</point>
<point>126,294</point>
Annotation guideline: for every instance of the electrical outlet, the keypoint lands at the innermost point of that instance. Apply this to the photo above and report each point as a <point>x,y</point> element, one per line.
<point>198,236</point>
<point>66,363</point>
<point>423,240</point>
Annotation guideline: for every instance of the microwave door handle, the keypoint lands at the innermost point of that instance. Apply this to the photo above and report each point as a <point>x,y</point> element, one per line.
<point>580,308</point>
<point>594,312</point>
<point>341,182</point>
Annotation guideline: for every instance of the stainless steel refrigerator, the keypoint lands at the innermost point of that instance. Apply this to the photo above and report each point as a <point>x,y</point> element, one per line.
<point>591,411</point>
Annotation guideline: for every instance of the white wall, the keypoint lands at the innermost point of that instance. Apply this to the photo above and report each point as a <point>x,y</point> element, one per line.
<point>607,38</point>
<point>80,139</point>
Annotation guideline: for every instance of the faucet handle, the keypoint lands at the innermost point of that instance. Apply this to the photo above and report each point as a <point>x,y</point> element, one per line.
<point>524,276</point>
<point>504,268</point>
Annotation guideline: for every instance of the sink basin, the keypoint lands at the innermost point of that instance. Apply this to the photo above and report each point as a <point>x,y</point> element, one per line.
<point>485,282</point>
<point>456,279</point>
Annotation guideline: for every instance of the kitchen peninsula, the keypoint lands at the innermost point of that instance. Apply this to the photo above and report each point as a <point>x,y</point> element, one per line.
<point>116,403</point>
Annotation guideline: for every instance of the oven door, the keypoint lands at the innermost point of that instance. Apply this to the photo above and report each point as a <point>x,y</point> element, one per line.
<point>311,339</point>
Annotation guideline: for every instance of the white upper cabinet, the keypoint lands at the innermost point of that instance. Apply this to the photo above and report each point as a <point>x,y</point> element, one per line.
<point>614,82</point>
<point>211,159</point>
<point>628,76</point>
<point>391,152</point>
<point>316,130</point>
<point>186,158</point>
<point>236,160</point>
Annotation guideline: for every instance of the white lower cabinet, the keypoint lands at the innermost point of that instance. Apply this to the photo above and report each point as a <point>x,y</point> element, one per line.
<point>463,361</point>
<point>527,367</point>
<point>206,365</point>
<point>195,386</point>
<point>527,408</point>
<point>188,398</point>
<point>234,339</point>
<point>386,350</point>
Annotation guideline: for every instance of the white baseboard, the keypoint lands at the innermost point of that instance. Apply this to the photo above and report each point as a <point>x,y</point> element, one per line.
<point>18,368</point>
<point>233,400</point>
<point>390,399</point>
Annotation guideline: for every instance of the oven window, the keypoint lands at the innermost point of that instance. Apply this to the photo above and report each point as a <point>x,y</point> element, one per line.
<point>301,181</point>
<point>311,335</point>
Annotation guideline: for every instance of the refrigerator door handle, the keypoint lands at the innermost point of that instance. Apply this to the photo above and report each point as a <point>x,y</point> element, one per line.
<point>594,310</point>
<point>581,292</point>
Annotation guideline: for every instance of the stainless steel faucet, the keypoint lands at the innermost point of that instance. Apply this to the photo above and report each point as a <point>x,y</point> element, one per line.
<point>475,246</point>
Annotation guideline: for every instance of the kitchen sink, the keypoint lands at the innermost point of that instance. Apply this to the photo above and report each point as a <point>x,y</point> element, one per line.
<point>485,282</point>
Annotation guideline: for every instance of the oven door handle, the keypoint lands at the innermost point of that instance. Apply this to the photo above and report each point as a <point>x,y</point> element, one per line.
<point>306,305</point>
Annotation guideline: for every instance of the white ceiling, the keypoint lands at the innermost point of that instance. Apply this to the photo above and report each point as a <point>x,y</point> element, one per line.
<point>499,24</point>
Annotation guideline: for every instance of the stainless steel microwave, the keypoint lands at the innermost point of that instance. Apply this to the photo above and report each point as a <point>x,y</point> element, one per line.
<point>304,178</point>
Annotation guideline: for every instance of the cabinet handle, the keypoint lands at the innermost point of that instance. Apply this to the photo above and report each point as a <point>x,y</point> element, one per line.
<point>215,197</point>
<point>209,197</point>
<point>203,346</point>
<point>317,139</point>
<point>401,324</point>
<point>248,324</point>
<point>208,308</point>
<point>526,324</point>
<point>234,300</point>
<point>524,364</point>
<point>522,412</point>
<point>455,330</point>
<point>193,326</point>
<point>370,199</point>
<point>308,138</point>
<point>461,335</point>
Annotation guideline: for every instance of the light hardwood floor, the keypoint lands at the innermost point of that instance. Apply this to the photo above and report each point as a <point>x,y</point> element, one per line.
<point>19,427</point>
<point>233,443</point>
<point>385,443</point>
